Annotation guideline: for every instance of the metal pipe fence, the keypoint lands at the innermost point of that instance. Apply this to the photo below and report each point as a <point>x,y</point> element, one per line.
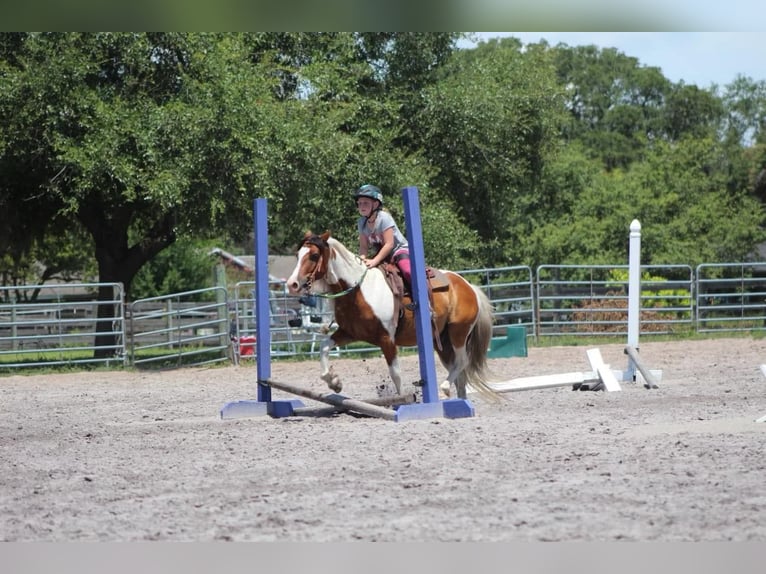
<point>730,297</point>
<point>180,329</point>
<point>45,325</point>
<point>61,324</point>
<point>580,300</point>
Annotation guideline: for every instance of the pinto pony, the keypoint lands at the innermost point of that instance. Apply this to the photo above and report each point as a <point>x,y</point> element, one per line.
<point>366,310</point>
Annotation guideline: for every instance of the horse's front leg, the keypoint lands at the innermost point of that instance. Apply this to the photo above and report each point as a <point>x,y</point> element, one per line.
<point>390,352</point>
<point>327,374</point>
<point>326,371</point>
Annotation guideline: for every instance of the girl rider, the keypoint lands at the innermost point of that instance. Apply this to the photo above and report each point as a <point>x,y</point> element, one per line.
<point>379,233</point>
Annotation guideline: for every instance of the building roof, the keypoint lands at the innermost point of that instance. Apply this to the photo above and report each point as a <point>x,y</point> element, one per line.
<point>280,266</point>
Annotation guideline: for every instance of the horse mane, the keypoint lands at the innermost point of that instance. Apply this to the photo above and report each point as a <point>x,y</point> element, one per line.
<point>344,252</point>
<point>350,261</point>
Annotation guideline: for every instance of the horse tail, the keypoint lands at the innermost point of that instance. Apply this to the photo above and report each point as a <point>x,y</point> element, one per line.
<point>477,372</point>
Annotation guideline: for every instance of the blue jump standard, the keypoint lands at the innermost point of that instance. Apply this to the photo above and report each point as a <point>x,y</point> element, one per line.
<point>431,407</point>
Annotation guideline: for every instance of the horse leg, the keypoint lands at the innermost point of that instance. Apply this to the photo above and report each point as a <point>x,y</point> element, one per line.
<point>390,353</point>
<point>455,359</point>
<point>455,368</point>
<point>447,357</point>
<point>327,374</point>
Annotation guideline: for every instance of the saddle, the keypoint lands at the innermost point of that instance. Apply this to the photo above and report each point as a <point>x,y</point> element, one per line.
<point>437,281</point>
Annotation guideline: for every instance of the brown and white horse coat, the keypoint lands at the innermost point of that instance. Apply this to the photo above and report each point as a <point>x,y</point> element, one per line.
<point>365,310</point>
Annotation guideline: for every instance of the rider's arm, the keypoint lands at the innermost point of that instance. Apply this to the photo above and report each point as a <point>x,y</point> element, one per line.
<point>385,249</point>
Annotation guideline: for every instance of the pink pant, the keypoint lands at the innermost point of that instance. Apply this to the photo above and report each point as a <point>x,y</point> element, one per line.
<point>403,263</point>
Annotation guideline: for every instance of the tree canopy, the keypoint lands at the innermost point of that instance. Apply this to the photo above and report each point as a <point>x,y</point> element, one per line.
<point>114,146</point>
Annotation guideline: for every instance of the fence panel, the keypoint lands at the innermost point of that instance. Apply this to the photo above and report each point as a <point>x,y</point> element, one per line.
<point>297,324</point>
<point>731,297</point>
<point>511,291</point>
<point>667,299</point>
<point>592,300</point>
<point>189,328</point>
<point>580,300</point>
<point>61,324</point>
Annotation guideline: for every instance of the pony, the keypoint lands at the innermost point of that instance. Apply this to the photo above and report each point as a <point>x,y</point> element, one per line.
<point>366,309</point>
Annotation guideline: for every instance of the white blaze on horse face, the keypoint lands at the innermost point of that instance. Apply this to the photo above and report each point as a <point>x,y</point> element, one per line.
<point>295,280</point>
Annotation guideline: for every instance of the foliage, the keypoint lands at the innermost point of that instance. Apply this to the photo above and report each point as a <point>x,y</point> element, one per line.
<point>489,125</point>
<point>63,254</point>
<point>184,266</point>
<point>116,146</point>
<point>680,194</point>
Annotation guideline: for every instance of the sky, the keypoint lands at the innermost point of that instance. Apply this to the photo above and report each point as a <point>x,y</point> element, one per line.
<point>699,58</point>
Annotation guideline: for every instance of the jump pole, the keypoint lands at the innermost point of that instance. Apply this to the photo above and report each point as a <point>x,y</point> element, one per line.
<point>263,405</point>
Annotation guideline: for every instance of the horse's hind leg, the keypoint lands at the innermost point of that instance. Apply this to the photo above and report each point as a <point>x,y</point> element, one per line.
<point>455,362</point>
<point>454,358</point>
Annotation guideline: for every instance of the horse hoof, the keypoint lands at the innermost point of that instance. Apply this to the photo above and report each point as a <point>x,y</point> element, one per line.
<point>335,385</point>
<point>445,388</point>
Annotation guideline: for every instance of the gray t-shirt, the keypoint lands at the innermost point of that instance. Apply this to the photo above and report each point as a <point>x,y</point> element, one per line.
<point>383,221</point>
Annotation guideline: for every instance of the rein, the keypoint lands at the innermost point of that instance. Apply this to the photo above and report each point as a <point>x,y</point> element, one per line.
<point>345,291</point>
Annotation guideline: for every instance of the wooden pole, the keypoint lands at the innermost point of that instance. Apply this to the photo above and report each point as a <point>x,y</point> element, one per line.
<point>339,401</point>
<point>332,410</point>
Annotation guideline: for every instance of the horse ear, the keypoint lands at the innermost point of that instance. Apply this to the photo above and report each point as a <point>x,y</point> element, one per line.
<point>308,233</point>
<point>325,236</point>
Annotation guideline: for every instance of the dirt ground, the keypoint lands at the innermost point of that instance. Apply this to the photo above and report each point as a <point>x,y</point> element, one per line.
<point>130,456</point>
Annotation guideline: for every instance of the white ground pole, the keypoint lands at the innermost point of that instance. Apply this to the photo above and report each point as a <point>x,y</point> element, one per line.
<point>601,376</point>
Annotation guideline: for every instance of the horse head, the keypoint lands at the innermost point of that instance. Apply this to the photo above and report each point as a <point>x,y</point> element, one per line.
<point>313,258</point>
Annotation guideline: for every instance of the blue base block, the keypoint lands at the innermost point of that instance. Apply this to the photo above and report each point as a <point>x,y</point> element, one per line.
<point>457,409</point>
<point>280,409</point>
<point>449,409</point>
<point>246,409</point>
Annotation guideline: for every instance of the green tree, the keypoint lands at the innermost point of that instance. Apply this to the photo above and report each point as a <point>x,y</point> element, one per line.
<point>139,137</point>
<point>745,103</point>
<point>681,195</point>
<point>692,112</point>
<point>619,107</point>
<point>184,266</point>
<point>487,127</point>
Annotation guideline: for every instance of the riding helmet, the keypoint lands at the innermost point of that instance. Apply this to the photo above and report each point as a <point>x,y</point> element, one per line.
<point>370,191</point>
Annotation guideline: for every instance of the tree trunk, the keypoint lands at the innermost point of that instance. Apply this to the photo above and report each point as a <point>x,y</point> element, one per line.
<point>119,263</point>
